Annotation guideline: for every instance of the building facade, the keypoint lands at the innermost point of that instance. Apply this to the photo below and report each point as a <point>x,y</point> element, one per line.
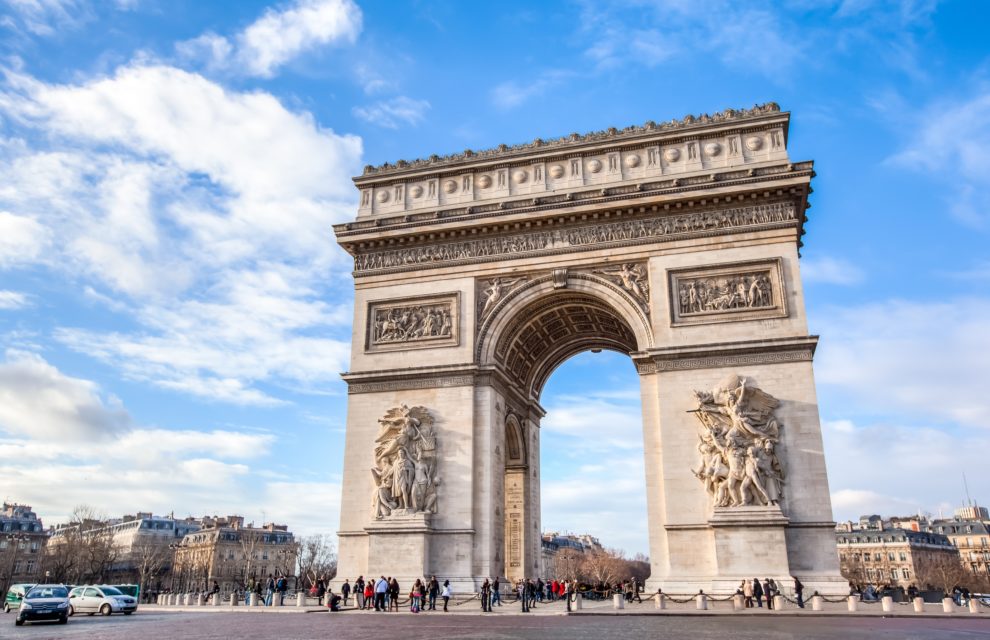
<point>874,552</point>
<point>22,543</point>
<point>233,555</point>
<point>971,537</point>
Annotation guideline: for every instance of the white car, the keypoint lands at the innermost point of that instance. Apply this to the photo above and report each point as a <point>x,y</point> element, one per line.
<point>100,599</point>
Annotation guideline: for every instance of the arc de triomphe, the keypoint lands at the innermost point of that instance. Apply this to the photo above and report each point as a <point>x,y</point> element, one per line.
<point>477,274</point>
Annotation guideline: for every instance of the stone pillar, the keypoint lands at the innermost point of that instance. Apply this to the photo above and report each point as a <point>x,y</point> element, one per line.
<point>618,601</point>
<point>974,605</point>
<point>578,602</point>
<point>778,603</point>
<point>200,600</point>
<point>737,602</point>
<point>301,599</point>
<point>919,605</point>
<point>216,600</point>
<point>853,602</point>
<point>234,600</point>
<point>661,601</point>
<point>887,604</point>
<point>816,602</point>
<point>254,599</point>
<point>948,606</point>
<point>701,602</point>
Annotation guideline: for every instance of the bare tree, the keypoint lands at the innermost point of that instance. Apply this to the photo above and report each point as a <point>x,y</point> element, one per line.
<point>568,563</point>
<point>251,543</point>
<point>84,549</point>
<point>604,566</point>
<point>317,559</point>
<point>943,571</point>
<point>149,558</point>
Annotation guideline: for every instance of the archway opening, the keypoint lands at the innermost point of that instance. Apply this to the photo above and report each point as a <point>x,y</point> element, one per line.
<point>592,471</point>
<point>592,484</point>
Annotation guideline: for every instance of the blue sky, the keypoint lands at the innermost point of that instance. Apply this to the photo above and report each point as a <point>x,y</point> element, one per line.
<point>174,311</point>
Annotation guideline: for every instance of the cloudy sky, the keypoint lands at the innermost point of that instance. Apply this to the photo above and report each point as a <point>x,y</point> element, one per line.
<point>174,311</point>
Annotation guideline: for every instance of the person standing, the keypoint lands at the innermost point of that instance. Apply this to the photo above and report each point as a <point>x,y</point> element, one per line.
<point>321,590</point>
<point>768,592</point>
<point>359,592</point>
<point>747,589</point>
<point>486,588</point>
<point>369,594</point>
<point>393,594</point>
<point>345,589</point>
<point>758,592</point>
<point>568,591</point>
<point>434,591</point>
<point>799,591</point>
<point>416,597</point>
<point>446,594</point>
<point>269,590</point>
<point>381,588</point>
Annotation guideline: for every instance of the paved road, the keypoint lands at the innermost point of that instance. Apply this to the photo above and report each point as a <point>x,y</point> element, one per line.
<point>320,626</point>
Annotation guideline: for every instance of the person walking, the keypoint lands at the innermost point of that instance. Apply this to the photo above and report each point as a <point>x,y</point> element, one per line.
<point>768,592</point>
<point>747,589</point>
<point>496,593</point>
<point>486,588</point>
<point>381,588</point>
<point>345,589</point>
<point>434,591</point>
<point>446,594</point>
<point>799,591</point>
<point>758,592</point>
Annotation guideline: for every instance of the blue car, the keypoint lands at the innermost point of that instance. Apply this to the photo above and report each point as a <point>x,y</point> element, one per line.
<point>44,602</point>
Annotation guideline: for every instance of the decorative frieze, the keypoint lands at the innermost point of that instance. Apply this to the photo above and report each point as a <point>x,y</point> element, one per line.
<point>723,360</point>
<point>411,323</point>
<point>729,292</point>
<point>642,230</point>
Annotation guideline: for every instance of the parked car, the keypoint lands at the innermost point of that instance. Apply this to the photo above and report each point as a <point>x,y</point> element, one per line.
<point>44,602</point>
<point>15,594</point>
<point>102,599</point>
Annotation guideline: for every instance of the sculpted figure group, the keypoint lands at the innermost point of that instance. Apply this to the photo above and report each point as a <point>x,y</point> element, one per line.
<point>725,293</point>
<point>405,324</point>
<point>738,439</point>
<point>405,471</point>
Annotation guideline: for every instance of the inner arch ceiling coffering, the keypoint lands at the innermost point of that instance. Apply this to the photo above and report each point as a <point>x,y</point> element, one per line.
<point>551,330</point>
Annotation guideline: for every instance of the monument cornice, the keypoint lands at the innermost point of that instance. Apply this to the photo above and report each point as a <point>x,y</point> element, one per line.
<point>726,354</point>
<point>687,127</point>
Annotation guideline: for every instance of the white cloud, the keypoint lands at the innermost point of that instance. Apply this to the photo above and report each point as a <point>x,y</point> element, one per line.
<point>278,36</point>
<point>10,300</point>
<point>390,113</point>
<point>46,17</point>
<point>951,142</point>
<point>830,270</point>
<point>581,419</point>
<point>916,360</point>
<point>890,469</point>
<point>311,506</point>
<point>511,94</point>
<point>191,201</point>
<point>37,400</point>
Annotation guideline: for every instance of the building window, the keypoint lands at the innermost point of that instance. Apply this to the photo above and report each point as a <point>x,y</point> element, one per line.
<point>906,574</point>
<point>903,557</point>
<point>876,556</point>
<point>893,575</point>
<point>890,555</point>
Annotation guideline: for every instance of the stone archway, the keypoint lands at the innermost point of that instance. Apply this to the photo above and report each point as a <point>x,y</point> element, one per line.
<point>476,275</point>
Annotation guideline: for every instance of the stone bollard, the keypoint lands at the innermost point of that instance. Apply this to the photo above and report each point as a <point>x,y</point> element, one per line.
<point>254,599</point>
<point>701,602</point>
<point>887,604</point>
<point>171,599</point>
<point>661,601</point>
<point>974,605</point>
<point>301,599</point>
<point>948,605</point>
<point>737,602</point>
<point>816,603</point>
<point>919,605</point>
<point>216,600</point>
<point>778,603</point>
<point>578,600</point>
<point>234,600</point>
<point>200,600</point>
<point>618,601</point>
<point>853,603</point>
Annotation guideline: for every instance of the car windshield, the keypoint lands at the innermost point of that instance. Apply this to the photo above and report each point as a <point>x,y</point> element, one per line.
<point>48,592</point>
<point>111,591</point>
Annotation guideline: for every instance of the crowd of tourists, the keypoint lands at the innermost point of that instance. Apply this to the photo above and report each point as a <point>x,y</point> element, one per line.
<point>756,592</point>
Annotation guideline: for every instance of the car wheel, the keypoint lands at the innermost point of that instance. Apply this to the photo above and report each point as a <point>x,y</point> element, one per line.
<point>18,622</point>
<point>6,608</point>
<point>127,613</point>
<point>106,610</point>
<point>63,620</point>
<point>91,614</point>
<point>72,610</point>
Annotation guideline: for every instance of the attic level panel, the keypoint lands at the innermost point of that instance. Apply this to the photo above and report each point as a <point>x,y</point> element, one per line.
<point>607,158</point>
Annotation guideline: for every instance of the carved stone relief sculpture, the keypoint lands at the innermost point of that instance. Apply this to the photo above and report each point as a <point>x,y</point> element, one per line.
<point>408,323</point>
<point>633,279</point>
<point>405,470</point>
<point>493,292</point>
<point>741,291</point>
<point>738,438</point>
